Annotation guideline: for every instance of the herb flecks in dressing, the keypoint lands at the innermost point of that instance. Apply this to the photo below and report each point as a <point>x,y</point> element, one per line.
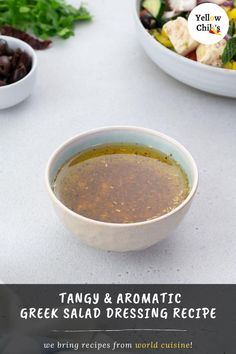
<point>121,183</point>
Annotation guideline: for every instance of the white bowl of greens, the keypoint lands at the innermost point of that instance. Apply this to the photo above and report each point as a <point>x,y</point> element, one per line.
<point>220,80</point>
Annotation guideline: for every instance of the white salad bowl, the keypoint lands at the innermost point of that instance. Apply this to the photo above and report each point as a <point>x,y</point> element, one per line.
<point>12,94</point>
<point>121,237</point>
<point>203,77</point>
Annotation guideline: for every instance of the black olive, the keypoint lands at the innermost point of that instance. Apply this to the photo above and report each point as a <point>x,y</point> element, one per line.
<point>147,19</point>
<point>19,73</point>
<point>14,64</point>
<point>16,57</point>
<point>3,47</point>
<point>3,83</point>
<point>26,60</point>
<point>5,66</point>
<point>9,51</point>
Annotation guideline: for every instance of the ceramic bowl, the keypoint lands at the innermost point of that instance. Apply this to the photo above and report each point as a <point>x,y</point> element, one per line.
<point>121,237</point>
<point>203,77</point>
<point>13,94</point>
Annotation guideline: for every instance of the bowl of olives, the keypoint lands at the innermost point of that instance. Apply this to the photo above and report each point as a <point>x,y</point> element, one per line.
<point>18,63</point>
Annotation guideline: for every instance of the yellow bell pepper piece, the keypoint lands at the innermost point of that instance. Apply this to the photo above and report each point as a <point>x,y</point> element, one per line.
<point>162,39</point>
<point>164,34</point>
<point>234,65</point>
<point>232,14</point>
<point>228,65</point>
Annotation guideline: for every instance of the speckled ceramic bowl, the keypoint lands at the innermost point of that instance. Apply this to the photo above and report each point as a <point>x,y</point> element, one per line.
<point>203,77</point>
<point>121,237</point>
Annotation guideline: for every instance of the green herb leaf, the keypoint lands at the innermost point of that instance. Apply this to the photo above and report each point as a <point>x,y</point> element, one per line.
<point>24,9</point>
<point>229,51</point>
<point>231,28</point>
<point>45,18</point>
<point>64,33</point>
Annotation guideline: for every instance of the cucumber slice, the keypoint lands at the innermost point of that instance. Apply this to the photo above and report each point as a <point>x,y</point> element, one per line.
<point>155,7</point>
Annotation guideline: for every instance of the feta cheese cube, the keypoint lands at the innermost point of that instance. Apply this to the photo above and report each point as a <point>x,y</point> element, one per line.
<point>211,54</point>
<point>178,33</point>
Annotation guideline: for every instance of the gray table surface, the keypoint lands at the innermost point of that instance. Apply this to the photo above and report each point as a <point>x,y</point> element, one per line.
<point>102,77</point>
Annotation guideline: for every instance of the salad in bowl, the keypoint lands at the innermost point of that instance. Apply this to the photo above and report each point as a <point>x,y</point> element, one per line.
<point>167,22</point>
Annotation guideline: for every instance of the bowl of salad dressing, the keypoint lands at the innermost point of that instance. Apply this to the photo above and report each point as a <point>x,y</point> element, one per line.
<point>121,188</point>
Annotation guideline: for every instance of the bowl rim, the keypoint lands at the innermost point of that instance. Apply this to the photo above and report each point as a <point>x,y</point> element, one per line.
<point>32,54</point>
<point>107,129</point>
<point>175,55</point>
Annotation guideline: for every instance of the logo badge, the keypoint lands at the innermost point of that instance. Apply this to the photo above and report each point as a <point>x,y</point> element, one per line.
<point>208,23</point>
